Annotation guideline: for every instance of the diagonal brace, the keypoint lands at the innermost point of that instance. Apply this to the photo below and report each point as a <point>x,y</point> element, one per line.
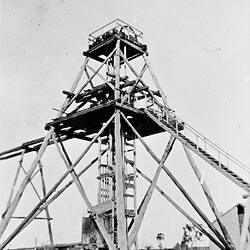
<point>149,193</point>
<point>5,221</point>
<point>180,187</point>
<point>76,180</point>
<point>209,198</point>
<point>182,211</point>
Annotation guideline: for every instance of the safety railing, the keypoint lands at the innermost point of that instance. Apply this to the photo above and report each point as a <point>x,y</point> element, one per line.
<point>115,26</point>
<point>201,143</point>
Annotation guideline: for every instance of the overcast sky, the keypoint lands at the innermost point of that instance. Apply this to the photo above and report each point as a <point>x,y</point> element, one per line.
<point>200,51</point>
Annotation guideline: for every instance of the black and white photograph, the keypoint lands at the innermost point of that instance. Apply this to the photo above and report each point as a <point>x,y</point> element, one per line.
<point>125,125</point>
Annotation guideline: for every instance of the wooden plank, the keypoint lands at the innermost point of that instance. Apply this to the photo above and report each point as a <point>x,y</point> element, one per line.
<point>119,184</point>
<point>91,52</point>
<point>89,94</point>
<point>11,156</point>
<point>35,146</point>
<point>149,193</point>
<point>47,208</point>
<point>78,114</point>
<point>122,78</point>
<point>23,146</point>
<point>37,218</point>
<point>119,165</point>
<point>103,207</point>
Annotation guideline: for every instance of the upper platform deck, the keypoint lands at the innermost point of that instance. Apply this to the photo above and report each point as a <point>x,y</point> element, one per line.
<point>103,41</point>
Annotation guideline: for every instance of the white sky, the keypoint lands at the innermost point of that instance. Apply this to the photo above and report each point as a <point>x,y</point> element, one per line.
<point>200,51</point>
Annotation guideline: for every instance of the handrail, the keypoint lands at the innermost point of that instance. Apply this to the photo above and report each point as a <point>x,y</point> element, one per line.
<point>103,27</point>
<point>117,23</point>
<point>208,144</point>
<point>212,144</point>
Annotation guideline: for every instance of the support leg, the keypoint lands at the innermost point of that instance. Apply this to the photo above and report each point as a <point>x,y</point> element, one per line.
<point>193,221</point>
<point>119,166</point>
<point>180,187</point>
<point>47,208</point>
<point>209,198</point>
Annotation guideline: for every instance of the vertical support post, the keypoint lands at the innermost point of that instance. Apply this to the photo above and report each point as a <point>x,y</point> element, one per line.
<point>119,168</point>
<point>135,192</point>
<point>99,170</point>
<point>47,208</point>
<point>125,66</point>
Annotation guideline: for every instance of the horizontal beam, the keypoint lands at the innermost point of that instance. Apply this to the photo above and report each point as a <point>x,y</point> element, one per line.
<point>34,145</point>
<point>37,218</point>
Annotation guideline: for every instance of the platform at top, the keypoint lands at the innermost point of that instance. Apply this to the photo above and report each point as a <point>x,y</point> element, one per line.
<point>103,40</point>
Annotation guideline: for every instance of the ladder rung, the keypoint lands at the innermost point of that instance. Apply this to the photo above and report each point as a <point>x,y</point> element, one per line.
<point>130,176</point>
<point>129,144</point>
<point>129,213</point>
<point>107,175</point>
<point>129,161</point>
<point>129,185</point>
<point>129,195</point>
<point>129,150</point>
<point>106,166</point>
<point>103,150</point>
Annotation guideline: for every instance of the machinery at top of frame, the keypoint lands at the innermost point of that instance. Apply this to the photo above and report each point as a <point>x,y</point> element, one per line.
<point>108,34</point>
<point>97,99</point>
